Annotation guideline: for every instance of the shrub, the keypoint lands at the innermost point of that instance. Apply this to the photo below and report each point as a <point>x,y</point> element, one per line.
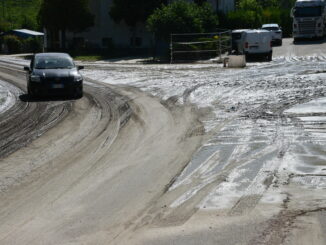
<point>13,43</point>
<point>33,45</point>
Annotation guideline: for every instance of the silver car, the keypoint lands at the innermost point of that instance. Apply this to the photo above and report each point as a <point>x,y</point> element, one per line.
<point>276,33</point>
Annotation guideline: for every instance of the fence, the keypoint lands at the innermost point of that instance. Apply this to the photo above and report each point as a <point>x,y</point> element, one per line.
<point>187,47</point>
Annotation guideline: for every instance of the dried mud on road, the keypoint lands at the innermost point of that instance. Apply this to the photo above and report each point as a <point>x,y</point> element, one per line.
<point>161,154</point>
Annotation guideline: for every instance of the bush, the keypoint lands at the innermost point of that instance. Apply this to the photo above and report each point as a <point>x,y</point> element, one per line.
<point>13,44</point>
<point>33,45</point>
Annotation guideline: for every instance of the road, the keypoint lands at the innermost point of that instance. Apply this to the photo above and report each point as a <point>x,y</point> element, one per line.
<point>161,154</point>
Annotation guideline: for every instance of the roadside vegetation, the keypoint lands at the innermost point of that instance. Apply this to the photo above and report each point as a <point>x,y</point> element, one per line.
<point>20,14</point>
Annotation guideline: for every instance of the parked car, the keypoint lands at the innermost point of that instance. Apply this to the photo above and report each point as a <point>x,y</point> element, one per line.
<point>253,43</point>
<point>54,73</point>
<point>276,31</point>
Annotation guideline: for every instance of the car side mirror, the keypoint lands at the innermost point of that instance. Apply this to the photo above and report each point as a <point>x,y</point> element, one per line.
<point>26,68</point>
<point>80,67</point>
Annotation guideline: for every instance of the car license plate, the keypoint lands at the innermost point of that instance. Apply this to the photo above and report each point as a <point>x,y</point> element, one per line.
<point>57,85</point>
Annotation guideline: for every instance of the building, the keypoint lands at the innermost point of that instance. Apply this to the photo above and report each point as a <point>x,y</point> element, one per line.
<point>106,32</point>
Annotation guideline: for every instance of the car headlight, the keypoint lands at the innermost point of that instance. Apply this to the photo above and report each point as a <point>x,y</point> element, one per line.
<point>78,78</point>
<point>35,78</point>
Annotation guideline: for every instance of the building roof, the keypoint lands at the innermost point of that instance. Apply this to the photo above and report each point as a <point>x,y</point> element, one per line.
<point>29,32</point>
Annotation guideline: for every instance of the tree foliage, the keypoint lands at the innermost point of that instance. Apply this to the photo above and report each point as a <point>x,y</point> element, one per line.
<point>72,15</point>
<point>16,14</point>
<point>249,5</point>
<point>132,11</point>
<point>182,17</point>
<point>254,13</point>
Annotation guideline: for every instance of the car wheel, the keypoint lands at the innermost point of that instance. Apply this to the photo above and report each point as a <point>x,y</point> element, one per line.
<point>78,93</point>
<point>270,57</point>
<point>30,92</point>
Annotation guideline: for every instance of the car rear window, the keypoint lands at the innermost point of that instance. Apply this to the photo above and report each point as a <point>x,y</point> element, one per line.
<point>236,36</point>
<point>53,62</point>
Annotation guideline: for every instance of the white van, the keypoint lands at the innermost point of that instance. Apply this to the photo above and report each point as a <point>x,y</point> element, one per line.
<point>253,43</point>
<point>276,33</point>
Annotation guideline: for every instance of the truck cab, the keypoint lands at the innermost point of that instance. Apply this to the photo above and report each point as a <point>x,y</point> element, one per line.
<point>309,19</point>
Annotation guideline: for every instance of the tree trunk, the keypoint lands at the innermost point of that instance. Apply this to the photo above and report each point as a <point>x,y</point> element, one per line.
<point>63,39</point>
<point>133,38</point>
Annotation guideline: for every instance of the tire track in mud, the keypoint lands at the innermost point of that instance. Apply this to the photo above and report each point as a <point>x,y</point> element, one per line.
<point>26,121</point>
<point>288,92</point>
<point>93,172</point>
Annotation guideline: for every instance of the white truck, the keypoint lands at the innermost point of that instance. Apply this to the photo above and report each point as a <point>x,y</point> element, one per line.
<point>253,43</point>
<point>309,19</point>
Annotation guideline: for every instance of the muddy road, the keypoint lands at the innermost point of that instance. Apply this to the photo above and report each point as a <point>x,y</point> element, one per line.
<point>161,154</point>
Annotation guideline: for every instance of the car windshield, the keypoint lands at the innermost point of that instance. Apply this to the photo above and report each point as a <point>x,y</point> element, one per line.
<point>308,12</point>
<point>271,28</point>
<point>53,62</point>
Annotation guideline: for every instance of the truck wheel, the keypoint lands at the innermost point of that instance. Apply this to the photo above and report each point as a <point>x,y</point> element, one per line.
<point>295,40</point>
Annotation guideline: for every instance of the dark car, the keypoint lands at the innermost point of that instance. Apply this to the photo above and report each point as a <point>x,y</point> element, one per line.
<point>54,73</point>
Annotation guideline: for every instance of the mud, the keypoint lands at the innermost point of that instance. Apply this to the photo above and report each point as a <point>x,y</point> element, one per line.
<point>207,156</point>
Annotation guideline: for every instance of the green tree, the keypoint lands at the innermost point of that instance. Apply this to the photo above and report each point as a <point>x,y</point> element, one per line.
<point>62,15</point>
<point>252,5</point>
<point>254,13</point>
<point>133,12</point>
<point>182,17</point>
